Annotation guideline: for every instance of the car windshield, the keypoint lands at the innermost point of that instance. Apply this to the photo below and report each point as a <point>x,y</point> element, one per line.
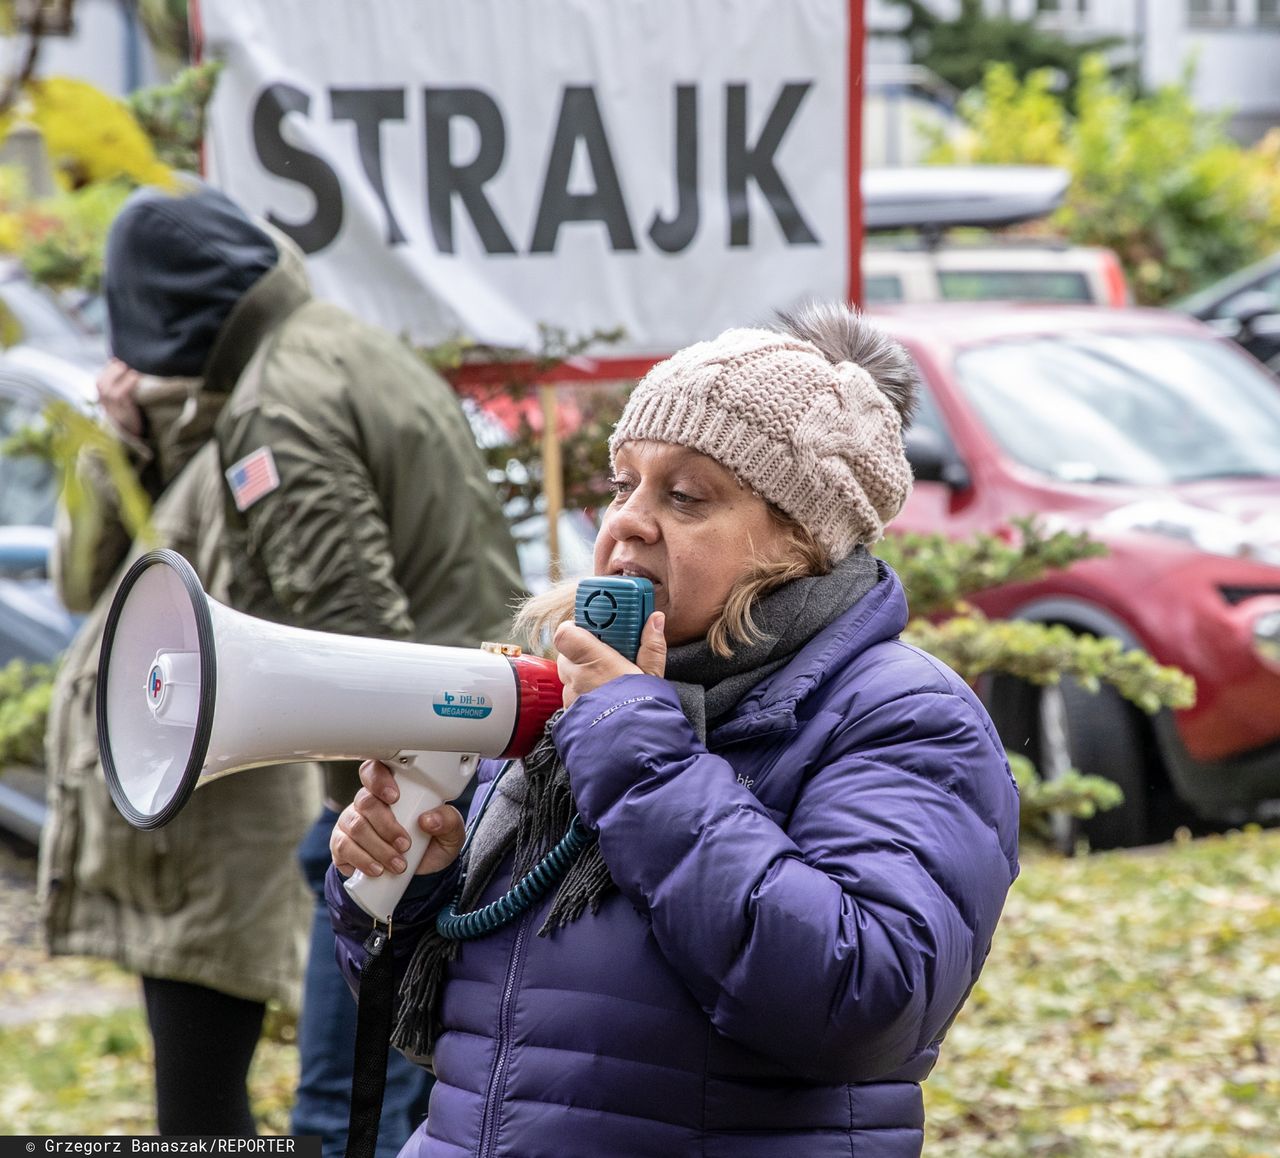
<point>39,320</point>
<point>1131,408</point>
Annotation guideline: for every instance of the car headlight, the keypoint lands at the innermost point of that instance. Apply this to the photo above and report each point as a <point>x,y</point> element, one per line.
<point>1206,530</point>
<point>1266,637</point>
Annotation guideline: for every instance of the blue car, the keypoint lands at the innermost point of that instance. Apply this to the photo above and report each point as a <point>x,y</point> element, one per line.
<point>34,626</point>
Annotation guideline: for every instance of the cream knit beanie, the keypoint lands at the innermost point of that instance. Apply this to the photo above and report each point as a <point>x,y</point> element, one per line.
<point>818,438</point>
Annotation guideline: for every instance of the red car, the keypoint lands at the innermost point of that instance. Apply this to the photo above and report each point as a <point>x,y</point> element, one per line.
<point>1163,441</point>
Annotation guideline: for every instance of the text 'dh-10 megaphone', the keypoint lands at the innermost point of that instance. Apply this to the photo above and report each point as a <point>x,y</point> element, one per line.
<point>189,690</point>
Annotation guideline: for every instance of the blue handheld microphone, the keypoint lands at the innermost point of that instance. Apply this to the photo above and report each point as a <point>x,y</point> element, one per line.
<point>614,608</point>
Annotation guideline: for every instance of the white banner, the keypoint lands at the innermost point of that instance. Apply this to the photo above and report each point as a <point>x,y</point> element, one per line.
<point>480,167</point>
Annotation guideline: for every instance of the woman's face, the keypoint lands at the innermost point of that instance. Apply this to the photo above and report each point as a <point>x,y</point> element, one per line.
<point>686,523</point>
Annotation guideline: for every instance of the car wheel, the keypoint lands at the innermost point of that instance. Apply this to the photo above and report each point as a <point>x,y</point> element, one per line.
<point>1063,726</point>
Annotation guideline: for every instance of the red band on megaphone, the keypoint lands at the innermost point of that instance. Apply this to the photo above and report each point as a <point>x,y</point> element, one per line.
<point>540,693</point>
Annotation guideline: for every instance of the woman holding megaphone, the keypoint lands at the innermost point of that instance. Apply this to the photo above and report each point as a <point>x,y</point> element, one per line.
<point>732,901</point>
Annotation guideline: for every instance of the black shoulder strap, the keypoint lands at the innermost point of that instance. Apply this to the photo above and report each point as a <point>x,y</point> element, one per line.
<point>373,1023</point>
<point>373,1033</point>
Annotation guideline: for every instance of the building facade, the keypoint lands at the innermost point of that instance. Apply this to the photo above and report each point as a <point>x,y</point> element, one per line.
<point>100,41</point>
<point>1232,45</point>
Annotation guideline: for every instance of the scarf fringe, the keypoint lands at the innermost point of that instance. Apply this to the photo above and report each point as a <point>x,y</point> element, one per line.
<point>417,1020</point>
<point>585,885</point>
<point>544,818</point>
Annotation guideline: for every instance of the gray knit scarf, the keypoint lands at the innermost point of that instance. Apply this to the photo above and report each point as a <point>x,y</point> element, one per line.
<point>531,805</point>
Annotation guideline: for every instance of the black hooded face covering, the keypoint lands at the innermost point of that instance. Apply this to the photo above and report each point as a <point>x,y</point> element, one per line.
<point>175,267</point>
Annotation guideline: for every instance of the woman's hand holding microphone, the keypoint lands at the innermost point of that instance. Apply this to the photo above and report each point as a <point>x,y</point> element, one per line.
<point>585,663</point>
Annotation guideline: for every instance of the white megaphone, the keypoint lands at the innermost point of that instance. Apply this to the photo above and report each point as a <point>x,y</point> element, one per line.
<point>189,690</point>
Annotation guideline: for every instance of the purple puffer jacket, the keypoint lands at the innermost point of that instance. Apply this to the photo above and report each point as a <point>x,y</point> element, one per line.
<point>805,902</point>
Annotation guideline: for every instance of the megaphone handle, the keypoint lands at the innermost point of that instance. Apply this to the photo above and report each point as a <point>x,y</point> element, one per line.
<point>426,780</point>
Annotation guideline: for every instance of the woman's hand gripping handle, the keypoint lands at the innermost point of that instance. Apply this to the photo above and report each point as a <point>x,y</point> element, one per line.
<point>399,826</point>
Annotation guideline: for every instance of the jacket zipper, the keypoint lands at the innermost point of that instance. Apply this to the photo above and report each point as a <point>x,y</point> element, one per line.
<point>497,1075</point>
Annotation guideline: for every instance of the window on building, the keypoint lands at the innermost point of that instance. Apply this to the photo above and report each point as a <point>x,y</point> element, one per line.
<point>55,16</point>
<point>1062,11</point>
<point>1269,13</point>
<point>1211,13</point>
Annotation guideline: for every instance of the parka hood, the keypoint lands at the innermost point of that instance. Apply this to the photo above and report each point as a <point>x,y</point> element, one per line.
<point>176,265</point>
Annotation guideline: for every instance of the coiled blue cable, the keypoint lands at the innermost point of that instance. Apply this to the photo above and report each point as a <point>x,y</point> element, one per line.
<point>530,889</point>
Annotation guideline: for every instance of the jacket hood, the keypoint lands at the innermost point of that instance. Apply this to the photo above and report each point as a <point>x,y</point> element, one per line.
<point>175,268</point>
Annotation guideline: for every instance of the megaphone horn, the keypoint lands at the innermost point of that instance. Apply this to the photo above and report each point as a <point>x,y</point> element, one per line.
<point>190,690</point>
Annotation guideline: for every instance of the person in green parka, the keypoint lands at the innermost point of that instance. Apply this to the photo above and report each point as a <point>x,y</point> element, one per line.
<point>350,497</point>
<point>211,910</point>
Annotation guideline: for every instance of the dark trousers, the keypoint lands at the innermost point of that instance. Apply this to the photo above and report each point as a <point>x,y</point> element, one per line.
<point>204,1042</point>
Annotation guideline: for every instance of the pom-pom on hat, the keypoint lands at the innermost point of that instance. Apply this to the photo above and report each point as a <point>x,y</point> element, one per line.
<point>810,418</point>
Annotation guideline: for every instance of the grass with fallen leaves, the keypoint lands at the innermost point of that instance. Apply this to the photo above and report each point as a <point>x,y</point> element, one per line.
<point>1131,1006</point>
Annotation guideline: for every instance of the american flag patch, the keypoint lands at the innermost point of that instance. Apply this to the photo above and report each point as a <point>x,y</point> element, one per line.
<point>252,477</point>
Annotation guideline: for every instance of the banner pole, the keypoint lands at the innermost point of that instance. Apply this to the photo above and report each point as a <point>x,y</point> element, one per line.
<point>552,477</point>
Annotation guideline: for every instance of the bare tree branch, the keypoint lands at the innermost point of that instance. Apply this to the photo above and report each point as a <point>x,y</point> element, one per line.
<point>35,35</point>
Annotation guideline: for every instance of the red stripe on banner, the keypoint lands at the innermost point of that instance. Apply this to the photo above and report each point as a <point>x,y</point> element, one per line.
<point>857,69</point>
<point>580,370</point>
<point>196,31</point>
